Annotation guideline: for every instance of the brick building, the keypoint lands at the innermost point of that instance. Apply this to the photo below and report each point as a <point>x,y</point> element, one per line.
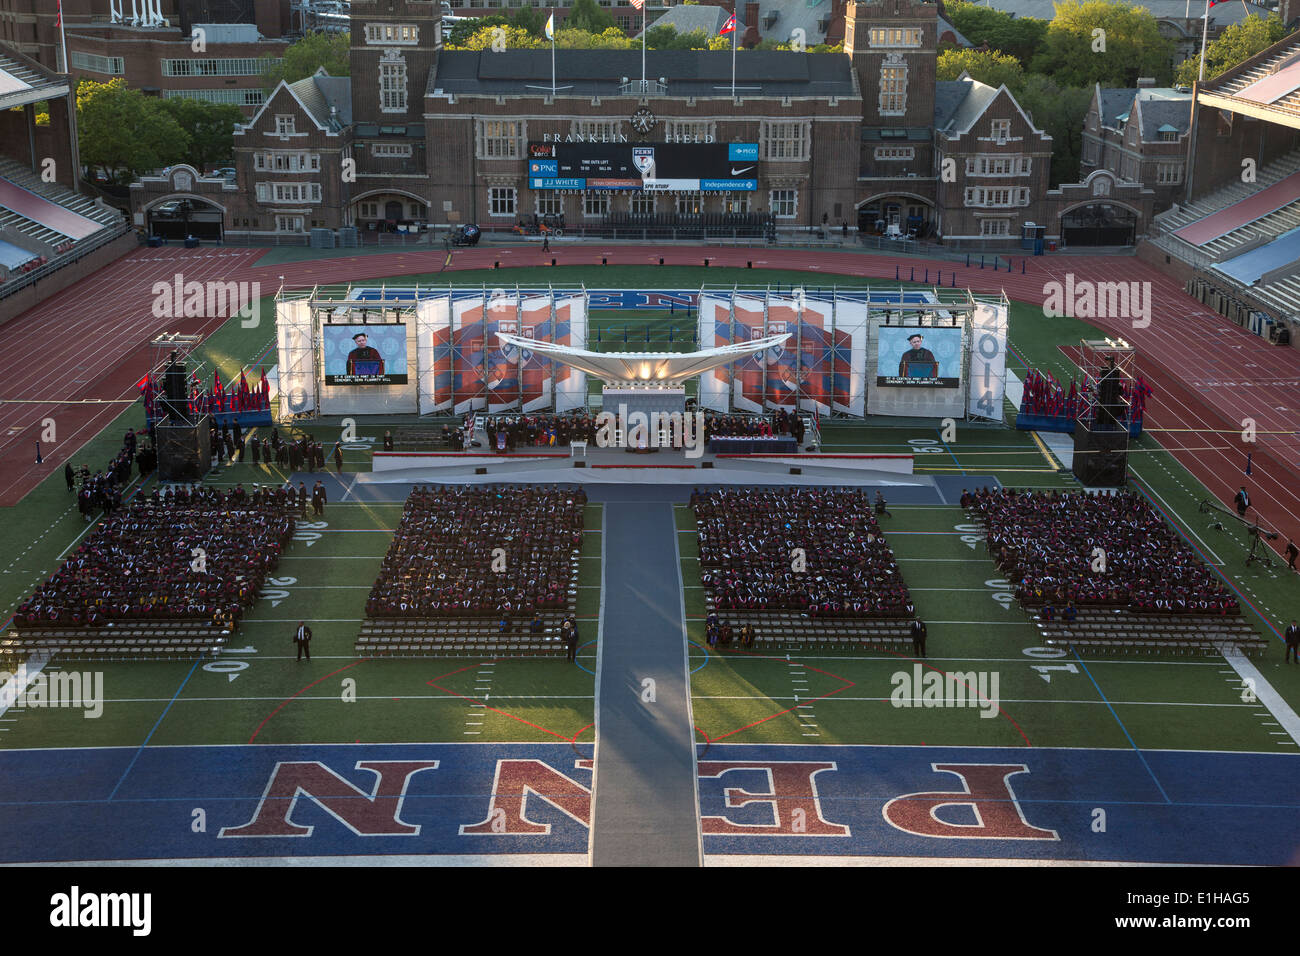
<point>422,137</point>
<point>1140,135</point>
<point>151,43</point>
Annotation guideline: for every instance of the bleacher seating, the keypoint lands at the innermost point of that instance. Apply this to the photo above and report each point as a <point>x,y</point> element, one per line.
<point>1278,63</point>
<point>1184,214</point>
<point>54,240</point>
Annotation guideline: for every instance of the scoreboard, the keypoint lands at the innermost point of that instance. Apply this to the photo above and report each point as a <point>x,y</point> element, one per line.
<point>649,167</point>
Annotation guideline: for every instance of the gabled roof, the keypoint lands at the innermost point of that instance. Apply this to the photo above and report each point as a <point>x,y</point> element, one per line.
<point>1114,102</point>
<point>686,19</point>
<point>791,15</point>
<point>302,93</point>
<point>959,103</point>
<point>1163,110</point>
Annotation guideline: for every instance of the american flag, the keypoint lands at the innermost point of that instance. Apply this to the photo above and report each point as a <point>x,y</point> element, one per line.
<point>637,3</point>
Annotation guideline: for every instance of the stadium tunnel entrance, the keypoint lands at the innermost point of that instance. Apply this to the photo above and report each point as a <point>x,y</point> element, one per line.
<point>901,214</point>
<point>179,218</point>
<point>1099,224</point>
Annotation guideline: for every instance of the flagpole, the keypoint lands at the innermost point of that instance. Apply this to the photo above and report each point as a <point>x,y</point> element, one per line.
<point>643,83</point>
<point>63,39</point>
<point>552,32</point>
<point>733,53</point>
<point>1205,33</point>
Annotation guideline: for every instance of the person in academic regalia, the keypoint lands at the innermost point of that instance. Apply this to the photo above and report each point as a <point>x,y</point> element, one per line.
<point>364,353</point>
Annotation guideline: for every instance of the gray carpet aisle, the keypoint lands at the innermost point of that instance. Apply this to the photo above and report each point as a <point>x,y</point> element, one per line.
<point>646,809</point>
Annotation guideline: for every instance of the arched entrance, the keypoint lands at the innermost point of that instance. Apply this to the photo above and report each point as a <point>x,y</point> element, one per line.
<point>181,217</point>
<point>902,215</point>
<point>1099,224</point>
<point>389,211</point>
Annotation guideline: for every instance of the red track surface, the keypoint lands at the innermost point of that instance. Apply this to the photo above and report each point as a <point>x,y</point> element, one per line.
<point>90,342</point>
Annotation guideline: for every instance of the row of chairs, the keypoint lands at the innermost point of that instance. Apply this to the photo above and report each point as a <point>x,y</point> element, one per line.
<point>118,648</point>
<point>435,647</point>
<point>781,640</point>
<point>1132,642</point>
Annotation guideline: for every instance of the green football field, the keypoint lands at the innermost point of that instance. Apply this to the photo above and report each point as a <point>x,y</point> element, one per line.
<point>257,692</point>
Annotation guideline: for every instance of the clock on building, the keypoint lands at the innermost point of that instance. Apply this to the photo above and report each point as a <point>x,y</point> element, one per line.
<point>643,121</point>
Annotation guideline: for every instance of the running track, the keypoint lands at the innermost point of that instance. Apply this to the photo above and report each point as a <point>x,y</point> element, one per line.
<point>90,342</point>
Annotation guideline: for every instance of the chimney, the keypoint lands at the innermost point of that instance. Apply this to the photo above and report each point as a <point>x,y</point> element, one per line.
<point>1146,82</point>
<point>752,36</point>
<point>835,32</point>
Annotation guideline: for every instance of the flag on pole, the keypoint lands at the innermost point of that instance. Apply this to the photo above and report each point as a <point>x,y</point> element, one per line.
<point>550,27</point>
<point>729,26</point>
<point>637,3</point>
<point>58,19</point>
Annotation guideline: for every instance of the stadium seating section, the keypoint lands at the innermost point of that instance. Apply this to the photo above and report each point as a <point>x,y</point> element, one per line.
<point>849,594</point>
<point>1132,582</point>
<point>469,571</point>
<point>168,576</point>
<point>41,221</point>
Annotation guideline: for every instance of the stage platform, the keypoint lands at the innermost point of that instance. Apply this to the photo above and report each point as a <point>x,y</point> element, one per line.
<point>613,474</point>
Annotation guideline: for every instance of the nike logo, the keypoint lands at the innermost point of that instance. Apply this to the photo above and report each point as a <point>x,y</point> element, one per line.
<point>737,172</point>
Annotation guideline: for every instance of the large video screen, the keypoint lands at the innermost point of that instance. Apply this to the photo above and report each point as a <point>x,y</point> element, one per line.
<point>364,354</point>
<point>653,167</point>
<point>911,357</point>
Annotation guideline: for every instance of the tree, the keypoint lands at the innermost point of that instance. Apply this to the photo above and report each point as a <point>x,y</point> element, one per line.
<point>516,38</point>
<point>585,15</point>
<point>304,57</point>
<point>1103,41</point>
<point>1020,37</point>
<point>987,66</point>
<point>666,37</point>
<point>210,128</point>
<point>611,39</point>
<point>1239,42</point>
<point>1058,111</point>
<point>530,19</point>
<point>458,36</point>
<point>124,133</point>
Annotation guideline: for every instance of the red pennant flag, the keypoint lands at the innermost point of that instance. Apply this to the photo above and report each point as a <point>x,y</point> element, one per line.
<point>729,26</point>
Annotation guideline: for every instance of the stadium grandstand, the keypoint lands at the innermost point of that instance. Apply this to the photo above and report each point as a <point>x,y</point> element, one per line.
<point>45,223</point>
<point>1235,232</point>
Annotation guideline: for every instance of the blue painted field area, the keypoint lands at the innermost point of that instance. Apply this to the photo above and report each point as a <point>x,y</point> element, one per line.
<point>1159,806</point>
<point>368,799</point>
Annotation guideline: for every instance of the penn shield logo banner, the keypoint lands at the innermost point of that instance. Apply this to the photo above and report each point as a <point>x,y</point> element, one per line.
<point>643,158</point>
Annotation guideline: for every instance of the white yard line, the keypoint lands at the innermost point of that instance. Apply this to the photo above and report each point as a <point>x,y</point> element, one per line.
<point>1269,698</point>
